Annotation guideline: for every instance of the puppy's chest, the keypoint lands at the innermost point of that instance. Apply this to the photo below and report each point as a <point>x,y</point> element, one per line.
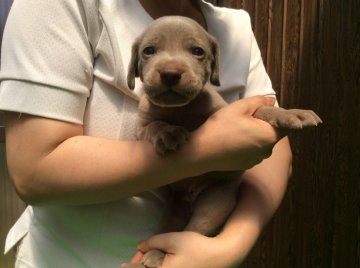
<point>187,118</point>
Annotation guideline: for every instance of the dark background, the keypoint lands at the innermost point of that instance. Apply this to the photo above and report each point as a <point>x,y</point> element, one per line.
<point>311,51</point>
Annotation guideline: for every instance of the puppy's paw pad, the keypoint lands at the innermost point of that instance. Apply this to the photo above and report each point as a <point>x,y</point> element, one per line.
<point>170,138</point>
<point>153,258</point>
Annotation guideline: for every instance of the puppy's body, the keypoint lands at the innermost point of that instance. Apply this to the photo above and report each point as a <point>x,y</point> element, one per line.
<point>211,195</point>
<point>176,59</point>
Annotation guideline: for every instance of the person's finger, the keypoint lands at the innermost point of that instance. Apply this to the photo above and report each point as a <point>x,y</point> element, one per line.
<point>254,103</point>
<point>137,257</point>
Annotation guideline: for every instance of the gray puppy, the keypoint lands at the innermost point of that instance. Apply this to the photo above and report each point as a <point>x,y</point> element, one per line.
<point>176,59</point>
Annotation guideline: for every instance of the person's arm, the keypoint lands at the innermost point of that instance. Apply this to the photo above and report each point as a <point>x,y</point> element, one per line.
<point>52,162</point>
<point>260,194</point>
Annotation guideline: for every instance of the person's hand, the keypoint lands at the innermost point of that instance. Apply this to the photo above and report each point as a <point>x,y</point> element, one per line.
<point>232,139</point>
<point>188,249</point>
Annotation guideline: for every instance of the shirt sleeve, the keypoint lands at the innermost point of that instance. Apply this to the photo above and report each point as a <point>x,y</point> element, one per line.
<point>47,61</point>
<point>258,81</point>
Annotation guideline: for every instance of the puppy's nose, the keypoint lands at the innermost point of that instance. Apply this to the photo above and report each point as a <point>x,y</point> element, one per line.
<point>170,77</point>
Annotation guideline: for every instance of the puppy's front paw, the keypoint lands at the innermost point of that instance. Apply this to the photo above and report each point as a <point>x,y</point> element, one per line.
<point>288,119</point>
<point>298,119</point>
<point>153,258</point>
<point>169,138</point>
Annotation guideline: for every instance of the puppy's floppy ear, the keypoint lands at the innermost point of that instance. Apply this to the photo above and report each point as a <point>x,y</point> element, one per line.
<point>215,62</point>
<point>133,69</point>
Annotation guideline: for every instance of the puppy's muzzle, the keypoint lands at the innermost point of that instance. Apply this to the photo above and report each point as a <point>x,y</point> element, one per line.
<point>170,77</point>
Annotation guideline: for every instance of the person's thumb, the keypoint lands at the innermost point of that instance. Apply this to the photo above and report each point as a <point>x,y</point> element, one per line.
<point>255,102</point>
<point>164,242</point>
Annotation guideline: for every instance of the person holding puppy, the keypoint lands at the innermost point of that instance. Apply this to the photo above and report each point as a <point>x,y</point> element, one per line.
<point>71,147</point>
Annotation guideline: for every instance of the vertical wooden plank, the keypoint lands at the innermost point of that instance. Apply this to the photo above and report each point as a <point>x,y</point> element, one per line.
<point>231,3</point>
<point>329,84</point>
<point>290,49</point>
<point>250,7</point>
<point>314,234</point>
<point>341,83</point>
<point>2,132</point>
<point>274,47</point>
<point>261,26</point>
<point>315,214</point>
<point>277,248</point>
<point>289,64</point>
<point>214,2</point>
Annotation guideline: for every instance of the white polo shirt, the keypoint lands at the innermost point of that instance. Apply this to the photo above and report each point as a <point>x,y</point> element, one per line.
<point>67,60</point>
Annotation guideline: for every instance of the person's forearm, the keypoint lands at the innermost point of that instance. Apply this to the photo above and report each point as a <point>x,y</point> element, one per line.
<point>101,170</point>
<point>52,162</point>
<point>261,192</point>
<point>86,169</point>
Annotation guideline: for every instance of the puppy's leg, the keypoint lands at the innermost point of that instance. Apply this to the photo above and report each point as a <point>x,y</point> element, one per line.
<point>153,258</point>
<point>211,209</point>
<point>176,215</point>
<point>213,206</point>
<point>163,136</point>
<point>287,119</point>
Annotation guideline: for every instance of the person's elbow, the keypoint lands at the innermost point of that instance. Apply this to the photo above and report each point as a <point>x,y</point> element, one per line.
<point>26,186</point>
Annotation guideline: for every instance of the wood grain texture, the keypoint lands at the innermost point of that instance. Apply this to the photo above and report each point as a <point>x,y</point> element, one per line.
<point>274,46</point>
<point>312,58</point>
<point>261,25</point>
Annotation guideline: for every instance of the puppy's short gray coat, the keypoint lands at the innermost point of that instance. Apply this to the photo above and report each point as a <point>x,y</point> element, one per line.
<point>176,59</point>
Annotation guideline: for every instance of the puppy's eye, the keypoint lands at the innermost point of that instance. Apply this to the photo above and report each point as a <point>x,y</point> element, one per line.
<point>197,51</point>
<point>148,51</point>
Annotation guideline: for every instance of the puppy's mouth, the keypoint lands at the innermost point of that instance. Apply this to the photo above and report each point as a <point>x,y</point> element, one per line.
<point>169,98</point>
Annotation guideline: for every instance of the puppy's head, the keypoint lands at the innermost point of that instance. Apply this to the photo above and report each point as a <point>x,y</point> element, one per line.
<point>174,58</point>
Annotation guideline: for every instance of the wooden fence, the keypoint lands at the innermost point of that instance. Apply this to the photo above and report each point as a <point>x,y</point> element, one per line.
<point>311,51</point>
